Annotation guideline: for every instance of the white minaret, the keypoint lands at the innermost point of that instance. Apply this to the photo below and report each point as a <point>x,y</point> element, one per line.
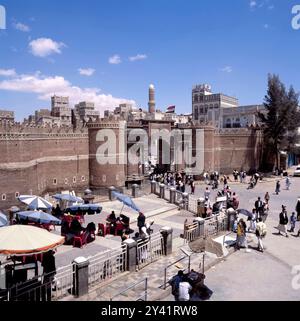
<point>151,103</point>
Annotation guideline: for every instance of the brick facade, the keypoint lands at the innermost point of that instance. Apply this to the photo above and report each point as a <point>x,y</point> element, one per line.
<point>38,160</point>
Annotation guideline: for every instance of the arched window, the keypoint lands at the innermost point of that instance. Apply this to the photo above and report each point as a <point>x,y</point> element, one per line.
<point>196,113</point>
<point>237,123</point>
<point>228,123</point>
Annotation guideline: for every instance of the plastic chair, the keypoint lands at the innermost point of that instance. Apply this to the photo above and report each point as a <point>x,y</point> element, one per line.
<point>102,230</point>
<point>82,239</point>
<point>119,228</point>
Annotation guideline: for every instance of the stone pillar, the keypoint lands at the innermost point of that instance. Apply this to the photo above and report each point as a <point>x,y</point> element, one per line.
<point>110,190</point>
<point>81,276</point>
<point>131,246</point>
<point>162,190</point>
<point>135,188</point>
<point>201,222</point>
<point>185,197</point>
<point>167,233</point>
<point>153,187</point>
<point>200,207</point>
<point>231,216</point>
<point>172,195</point>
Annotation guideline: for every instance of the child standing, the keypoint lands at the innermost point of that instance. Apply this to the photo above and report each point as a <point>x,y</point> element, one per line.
<point>293,220</point>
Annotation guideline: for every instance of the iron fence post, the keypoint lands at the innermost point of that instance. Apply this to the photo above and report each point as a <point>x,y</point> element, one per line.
<point>146,289</point>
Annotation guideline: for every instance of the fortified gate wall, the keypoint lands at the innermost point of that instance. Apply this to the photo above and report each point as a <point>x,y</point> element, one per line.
<point>37,160</point>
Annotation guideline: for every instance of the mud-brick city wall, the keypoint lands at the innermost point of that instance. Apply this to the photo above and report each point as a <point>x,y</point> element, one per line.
<point>238,149</point>
<point>40,161</point>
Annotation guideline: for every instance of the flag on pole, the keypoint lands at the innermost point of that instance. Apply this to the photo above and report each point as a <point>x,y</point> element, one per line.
<point>171,109</point>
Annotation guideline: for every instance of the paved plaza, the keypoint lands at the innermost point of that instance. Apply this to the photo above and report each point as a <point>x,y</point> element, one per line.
<point>240,276</point>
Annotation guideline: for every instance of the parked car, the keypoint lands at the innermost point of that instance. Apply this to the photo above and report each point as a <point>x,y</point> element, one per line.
<point>297,171</point>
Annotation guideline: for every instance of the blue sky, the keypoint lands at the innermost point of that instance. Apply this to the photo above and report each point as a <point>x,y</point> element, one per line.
<point>231,45</point>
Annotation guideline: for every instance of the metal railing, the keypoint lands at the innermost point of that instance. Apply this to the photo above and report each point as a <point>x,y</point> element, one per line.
<point>144,294</point>
<point>214,225</point>
<point>64,281</point>
<point>157,189</point>
<point>34,290</point>
<point>191,232</point>
<point>178,197</point>
<point>167,194</point>
<point>45,287</point>
<point>211,226</point>
<point>170,265</point>
<point>149,250</point>
<point>107,264</point>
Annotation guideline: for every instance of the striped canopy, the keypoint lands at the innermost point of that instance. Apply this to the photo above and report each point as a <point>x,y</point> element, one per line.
<point>35,202</point>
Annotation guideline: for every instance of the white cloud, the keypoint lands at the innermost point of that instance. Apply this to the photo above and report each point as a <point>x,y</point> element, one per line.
<point>86,72</point>
<point>7,72</point>
<point>138,57</point>
<point>44,47</point>
<point>46,86</point>
<point>21,27</point>
<point>260,4</point>
<point>115,60</point>
<point>227,69</point>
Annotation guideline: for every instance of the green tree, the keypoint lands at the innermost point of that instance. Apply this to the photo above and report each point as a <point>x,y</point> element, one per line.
<point>281,120</point>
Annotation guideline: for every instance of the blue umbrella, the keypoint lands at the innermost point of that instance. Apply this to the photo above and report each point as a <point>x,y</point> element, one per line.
<point>126,200</point>
<point>92,207</point>
<point>67,197</point>
<point>3,220</point>
<point>245,212</point>
<point>39,217</point>
<point>35,202</point>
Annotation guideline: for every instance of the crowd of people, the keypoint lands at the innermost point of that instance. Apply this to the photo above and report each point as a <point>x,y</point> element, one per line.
<point>178,180</point>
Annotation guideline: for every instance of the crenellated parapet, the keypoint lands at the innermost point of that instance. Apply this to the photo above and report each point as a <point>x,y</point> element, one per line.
<point>33,131</point>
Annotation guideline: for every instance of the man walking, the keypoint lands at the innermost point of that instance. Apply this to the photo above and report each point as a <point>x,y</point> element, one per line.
<point>277,189</point>
<point>259,206</point>
<point>207,193</point>
<point>193,186</point>
<point>298,209</point>
<point>283,221</point>
<point>261,232</point>
<point>141,220</point>
<point>288,183</point>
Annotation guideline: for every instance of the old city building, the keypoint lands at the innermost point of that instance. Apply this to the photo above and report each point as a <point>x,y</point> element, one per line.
<point>118,149</point>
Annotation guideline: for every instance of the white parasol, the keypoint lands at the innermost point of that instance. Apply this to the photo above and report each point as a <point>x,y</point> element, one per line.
<point>26,240</point>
